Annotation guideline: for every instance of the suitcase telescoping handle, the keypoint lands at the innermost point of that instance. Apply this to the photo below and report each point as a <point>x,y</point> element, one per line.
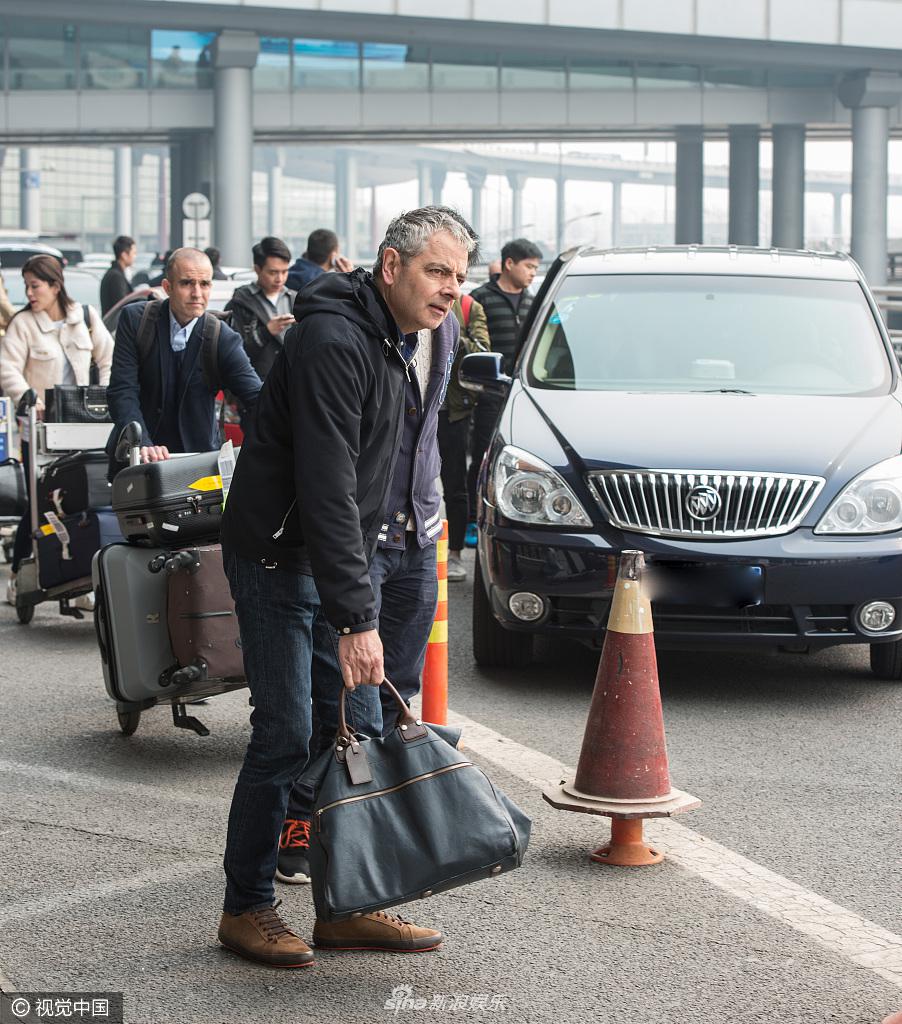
<point>128,447</point>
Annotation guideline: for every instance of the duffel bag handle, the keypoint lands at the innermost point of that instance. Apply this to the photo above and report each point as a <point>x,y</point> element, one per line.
<point>411,727</point>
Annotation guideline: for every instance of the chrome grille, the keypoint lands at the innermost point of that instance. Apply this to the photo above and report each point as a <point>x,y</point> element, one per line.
<point>724,503</point>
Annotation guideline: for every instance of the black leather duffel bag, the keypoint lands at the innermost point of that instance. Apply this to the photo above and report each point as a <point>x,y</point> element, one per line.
<point>402,817</point>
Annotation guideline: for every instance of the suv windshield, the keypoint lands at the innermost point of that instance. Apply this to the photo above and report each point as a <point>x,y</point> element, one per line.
<point>763,335</point>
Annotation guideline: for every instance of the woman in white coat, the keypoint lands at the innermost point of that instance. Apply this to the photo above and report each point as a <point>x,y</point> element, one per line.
<point>51,341</point>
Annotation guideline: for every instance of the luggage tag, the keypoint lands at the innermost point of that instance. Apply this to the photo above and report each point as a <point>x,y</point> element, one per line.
<point>356,762</point>
<point>60,530</point>
<point>226,466</point>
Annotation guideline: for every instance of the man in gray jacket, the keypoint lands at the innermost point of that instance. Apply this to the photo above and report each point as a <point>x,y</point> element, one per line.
<point>262,310</point>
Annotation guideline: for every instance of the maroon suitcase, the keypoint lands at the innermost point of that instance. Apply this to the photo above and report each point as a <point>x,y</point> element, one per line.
<point>203,627</point>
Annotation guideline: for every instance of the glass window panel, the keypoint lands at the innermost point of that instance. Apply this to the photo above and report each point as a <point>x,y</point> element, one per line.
<point>464,69</point>
<point>589,75</point>
<point>182,60</point>
<point>326,65</point>
<point>113,57</point>
<point>273,70</point>
<point>667,76</point>
<point>395,67</point>
<point>745,78</point>
<point>41,54</point>
<point>532,71</point>
<point>796,78</point>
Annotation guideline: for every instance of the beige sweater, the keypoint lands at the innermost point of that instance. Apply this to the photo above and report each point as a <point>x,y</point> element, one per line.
<point>33,352</point>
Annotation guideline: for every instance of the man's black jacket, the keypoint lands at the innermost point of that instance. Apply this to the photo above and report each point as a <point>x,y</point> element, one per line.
<point>310,484</point>
<point>114,286</point>
<point>250,315</point>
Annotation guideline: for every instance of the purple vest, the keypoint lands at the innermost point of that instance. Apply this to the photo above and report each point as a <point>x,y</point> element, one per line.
<point>413,493</point>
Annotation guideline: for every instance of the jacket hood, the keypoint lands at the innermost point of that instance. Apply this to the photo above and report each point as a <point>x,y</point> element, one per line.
<point>353,296</point>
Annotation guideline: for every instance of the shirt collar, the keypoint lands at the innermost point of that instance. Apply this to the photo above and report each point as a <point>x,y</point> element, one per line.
<point>178,335</point>
<point>257,290</point>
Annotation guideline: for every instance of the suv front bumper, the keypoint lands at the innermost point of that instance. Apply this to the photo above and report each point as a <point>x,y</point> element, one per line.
<point>797,591</point>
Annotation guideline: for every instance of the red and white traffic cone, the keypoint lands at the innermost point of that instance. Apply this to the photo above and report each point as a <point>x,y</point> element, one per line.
<point>623,771</point>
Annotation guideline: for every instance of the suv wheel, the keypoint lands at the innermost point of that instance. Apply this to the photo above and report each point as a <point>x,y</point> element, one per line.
<point>886,660</point>
<point>494,646</point>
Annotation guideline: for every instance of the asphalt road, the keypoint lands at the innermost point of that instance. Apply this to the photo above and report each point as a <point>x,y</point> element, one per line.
<point>110,851</point>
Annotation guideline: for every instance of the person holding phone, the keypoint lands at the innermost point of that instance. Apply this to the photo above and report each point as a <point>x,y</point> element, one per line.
<point>262,310</point>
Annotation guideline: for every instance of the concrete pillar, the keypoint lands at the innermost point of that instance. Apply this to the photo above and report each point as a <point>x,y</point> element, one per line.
<point>560,211</point>
<point>788,188</point>
<point>274,200</point>
<point>437,177</point>
<point>30,189</point>
<point>234,57</point>
<point>616,187</point>
<point>375,233</point>
<point>346,201</point>
<point>476,181</point>
<point>744,181</point>
<point>516,181</point>
<point>837,219</point>
<point>137,163</point>
<point>122,190</point>
<point>690,183</point>
<point>870,94</point>
<point>423,184</point>
<point>163,204</point>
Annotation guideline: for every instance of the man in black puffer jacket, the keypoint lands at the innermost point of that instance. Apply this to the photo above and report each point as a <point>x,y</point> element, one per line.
<point>302,521</point>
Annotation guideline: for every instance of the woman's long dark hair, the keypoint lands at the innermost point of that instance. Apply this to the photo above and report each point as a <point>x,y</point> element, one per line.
<point>47,268</point>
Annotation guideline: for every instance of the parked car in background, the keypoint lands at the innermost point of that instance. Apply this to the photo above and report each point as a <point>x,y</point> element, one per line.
<point>734,413</point>
<point>14,253</point>
<point>82,286</point>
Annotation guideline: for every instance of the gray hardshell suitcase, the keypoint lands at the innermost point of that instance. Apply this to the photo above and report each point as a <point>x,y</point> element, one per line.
<point>140,670</point>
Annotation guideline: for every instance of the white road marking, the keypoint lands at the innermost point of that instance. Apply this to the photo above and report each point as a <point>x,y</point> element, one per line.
<point>55,901</point>
<point>88,780</point>
<point>832,926</point>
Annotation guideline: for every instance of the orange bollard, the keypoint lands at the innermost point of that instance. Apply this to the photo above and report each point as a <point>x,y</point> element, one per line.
<point>623,771</point>
<point>435,670</point>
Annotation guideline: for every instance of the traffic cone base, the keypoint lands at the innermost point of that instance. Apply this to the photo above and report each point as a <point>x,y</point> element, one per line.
<point>627,848</point>
<point>565,797</point>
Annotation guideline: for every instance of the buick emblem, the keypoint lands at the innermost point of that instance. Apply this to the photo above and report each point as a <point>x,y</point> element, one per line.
<point>703,503</point>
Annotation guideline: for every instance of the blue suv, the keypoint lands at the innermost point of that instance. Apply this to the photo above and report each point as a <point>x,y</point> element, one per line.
<point>734,413</point>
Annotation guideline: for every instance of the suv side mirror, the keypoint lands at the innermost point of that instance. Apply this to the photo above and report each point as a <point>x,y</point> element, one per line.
<point>481,371</point>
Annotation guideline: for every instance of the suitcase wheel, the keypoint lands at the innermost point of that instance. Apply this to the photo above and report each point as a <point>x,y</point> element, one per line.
<point>25,613</point>
<point>128,721</point>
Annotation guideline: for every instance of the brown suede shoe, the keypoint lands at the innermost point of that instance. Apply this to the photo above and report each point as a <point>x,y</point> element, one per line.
<point>263,936</point>
<point>376,931</point>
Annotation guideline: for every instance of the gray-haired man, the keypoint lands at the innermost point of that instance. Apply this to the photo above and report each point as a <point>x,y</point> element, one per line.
<point>305,511</point>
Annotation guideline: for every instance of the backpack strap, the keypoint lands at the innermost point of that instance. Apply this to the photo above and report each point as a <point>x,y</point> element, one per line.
<point>209,351</point>
<point>466,307</point>
<point>86,313</point>
<point>147,328</point>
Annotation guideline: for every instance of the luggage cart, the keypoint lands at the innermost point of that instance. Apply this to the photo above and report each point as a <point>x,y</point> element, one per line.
<point>139,665</point>
<point>51,440</point>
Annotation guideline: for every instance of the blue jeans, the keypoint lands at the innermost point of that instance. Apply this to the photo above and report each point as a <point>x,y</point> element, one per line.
<point>289,658</point>
<point>404,582</point>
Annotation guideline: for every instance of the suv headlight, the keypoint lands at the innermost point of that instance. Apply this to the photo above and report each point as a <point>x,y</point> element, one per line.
<point>871,503</point>
<point>528,490</point>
